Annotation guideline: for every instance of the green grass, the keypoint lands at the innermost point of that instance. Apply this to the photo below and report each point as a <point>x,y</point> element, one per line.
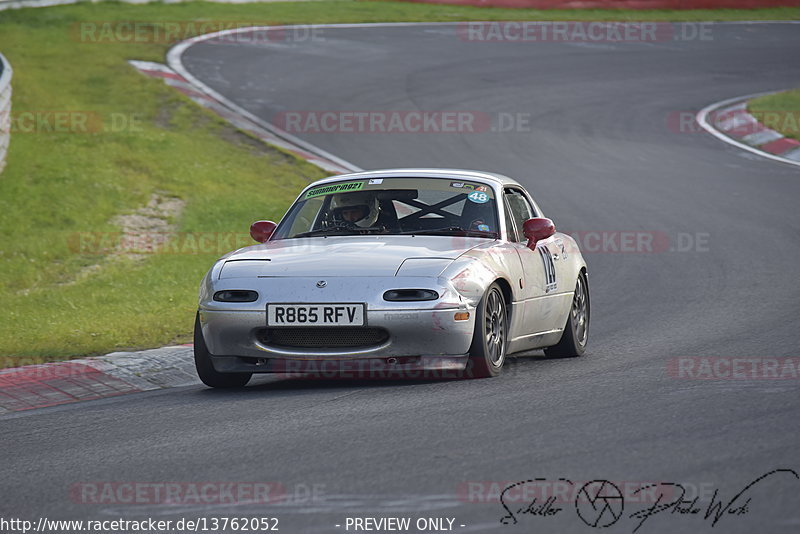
<point>57,185</point>
<point>780,111</point>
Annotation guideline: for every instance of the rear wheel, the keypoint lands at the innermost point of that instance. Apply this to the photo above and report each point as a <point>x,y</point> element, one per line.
<point>488,351</point>
<point>576,331</point>
<point>205,369</point>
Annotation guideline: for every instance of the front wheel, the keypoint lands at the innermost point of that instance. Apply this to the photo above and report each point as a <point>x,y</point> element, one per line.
<point>576,331</point>
<point>205,369</point>
<point>488,351</point>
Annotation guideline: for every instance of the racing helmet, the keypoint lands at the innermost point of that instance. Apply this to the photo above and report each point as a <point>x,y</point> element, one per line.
<point>367,202</point>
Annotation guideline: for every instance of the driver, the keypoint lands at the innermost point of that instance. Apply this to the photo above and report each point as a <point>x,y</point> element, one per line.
<point>360,209</point>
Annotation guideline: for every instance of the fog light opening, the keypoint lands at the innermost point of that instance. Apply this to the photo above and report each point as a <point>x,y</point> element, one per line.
<point>236,295</point>
<point>410,295</point>
<point>391,361</point>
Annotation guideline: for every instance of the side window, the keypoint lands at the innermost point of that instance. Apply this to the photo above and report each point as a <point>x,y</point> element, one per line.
<point>520,209</point>
<point>512,234</point>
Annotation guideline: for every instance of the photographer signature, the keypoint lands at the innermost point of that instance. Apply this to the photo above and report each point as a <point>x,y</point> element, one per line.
<point>600,503</point>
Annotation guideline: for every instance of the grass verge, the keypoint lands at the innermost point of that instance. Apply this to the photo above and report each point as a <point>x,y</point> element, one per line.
<point>67,183</point>
<point>780,112</point>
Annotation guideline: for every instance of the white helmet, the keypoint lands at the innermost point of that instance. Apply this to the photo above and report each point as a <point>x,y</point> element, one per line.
<point>368,202</point>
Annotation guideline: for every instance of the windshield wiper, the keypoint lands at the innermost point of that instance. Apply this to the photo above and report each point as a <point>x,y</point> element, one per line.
<point>330,229</point>
<point>346,230</point>
<point>454,230</point>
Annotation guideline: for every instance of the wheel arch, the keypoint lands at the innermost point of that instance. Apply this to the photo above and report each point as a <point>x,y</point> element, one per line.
<point>508,294</point>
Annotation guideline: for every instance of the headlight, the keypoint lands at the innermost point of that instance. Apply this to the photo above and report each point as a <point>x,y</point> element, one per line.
<point>236,295</point>
<point>408,295</point>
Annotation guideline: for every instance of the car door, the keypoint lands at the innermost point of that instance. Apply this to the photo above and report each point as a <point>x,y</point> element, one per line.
<point>539,265</point>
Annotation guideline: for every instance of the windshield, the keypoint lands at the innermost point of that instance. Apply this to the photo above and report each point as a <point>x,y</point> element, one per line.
<point>395,206</point>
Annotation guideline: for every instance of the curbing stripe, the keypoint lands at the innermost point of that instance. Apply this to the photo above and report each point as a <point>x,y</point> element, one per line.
<point>749,129</point>
<point>111,375</point>
<point>709,119</point>
<point>781,146</point>
<point>40,386</point>
<point>762,137</point>
<point>793,155</point>
<point>738,119</point>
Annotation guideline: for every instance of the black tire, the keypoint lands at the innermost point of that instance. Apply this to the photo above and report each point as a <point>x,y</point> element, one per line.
<point>576,331</point>
<point>205,368</point>
<point>490,339</point>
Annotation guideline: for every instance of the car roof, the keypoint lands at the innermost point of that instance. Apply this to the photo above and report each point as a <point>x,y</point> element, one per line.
<point>452,174</point>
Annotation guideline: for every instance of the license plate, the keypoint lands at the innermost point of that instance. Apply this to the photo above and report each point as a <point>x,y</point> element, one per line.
<point>315,314</point>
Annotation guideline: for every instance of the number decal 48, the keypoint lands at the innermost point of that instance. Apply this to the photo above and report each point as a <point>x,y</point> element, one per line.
<point>550,282</point>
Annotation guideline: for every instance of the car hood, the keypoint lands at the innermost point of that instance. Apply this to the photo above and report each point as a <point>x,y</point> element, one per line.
<point>355,256</point>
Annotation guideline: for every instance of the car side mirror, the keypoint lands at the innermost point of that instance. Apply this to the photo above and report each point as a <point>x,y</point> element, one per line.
<point>537,229</point>
<point>261,231</point>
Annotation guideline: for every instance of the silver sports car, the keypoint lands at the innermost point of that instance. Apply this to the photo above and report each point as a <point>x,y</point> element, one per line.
<point>394,273</point>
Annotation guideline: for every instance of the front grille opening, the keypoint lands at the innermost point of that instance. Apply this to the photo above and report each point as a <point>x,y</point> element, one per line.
<point>323,337</point>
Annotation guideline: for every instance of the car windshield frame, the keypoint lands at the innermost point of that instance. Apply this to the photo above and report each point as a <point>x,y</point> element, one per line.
<point>405,206</point>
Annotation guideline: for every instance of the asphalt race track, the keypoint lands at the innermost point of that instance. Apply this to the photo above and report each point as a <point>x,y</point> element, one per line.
<point>596,143</point>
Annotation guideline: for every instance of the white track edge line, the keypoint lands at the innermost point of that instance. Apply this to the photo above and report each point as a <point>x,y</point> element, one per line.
<point>174,61</point>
